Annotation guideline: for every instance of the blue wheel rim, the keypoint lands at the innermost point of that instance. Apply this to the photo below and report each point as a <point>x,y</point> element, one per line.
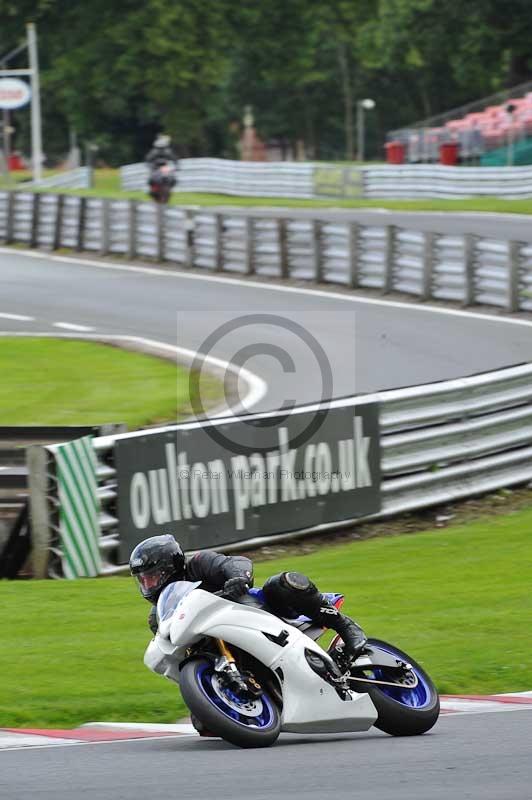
<point>261,721</point>
<point>418,697</point>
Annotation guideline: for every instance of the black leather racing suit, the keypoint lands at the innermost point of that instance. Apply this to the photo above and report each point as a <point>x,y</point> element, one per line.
<point>287,594</point>
<point>160,155</point>
<point>213,570</point>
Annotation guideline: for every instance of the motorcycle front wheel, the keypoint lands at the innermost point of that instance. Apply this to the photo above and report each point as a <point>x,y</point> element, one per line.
<point>245,723</point>
<point>403,710</point>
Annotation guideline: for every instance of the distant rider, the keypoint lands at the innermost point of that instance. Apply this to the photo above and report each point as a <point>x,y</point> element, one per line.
<point>162,163</point>
<point>161,153</point>
<point>158,561</point>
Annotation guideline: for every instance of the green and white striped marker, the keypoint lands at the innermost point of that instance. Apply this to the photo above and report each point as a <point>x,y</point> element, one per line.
<point>79,508</point>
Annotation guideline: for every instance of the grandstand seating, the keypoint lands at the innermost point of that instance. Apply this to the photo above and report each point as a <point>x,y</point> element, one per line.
<point>476,132</point>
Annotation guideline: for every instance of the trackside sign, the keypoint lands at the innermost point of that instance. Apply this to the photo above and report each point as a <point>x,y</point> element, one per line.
<point>14,93</point>
<point>282,476</point>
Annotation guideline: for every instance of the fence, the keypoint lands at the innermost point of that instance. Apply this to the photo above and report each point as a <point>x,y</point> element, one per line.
<point>80,178</point>
<point>13,443</point>
<point>463,268</point>
<point>437,443</point>
<point>419,181</point>
<point>253,179</point>
<point>306,180</point>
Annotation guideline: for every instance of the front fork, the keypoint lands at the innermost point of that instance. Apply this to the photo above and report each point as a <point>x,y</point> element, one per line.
<point>226,666</point>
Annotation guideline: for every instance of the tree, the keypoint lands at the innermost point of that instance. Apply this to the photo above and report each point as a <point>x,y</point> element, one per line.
<point>117,73</point>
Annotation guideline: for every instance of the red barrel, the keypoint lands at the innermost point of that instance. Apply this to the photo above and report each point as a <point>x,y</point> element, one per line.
<point>395,152</point>
<point>449,153</point>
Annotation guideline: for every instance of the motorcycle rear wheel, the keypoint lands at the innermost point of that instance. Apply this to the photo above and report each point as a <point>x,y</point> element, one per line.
<point>402,712</point>
<point>245,724</point>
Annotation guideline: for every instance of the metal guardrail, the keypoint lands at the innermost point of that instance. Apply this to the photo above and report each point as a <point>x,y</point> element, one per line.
<point>80,178</point>
<point>412,181</point>
<point>463,268</point>
<point>217,175</point>
<point>308,180</point>
<point>439,442</point>
<point>13,443</point>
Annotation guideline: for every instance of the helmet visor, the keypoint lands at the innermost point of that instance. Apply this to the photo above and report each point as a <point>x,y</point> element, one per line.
<point>151,580</point>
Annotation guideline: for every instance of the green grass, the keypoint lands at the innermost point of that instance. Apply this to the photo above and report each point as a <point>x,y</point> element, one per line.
<point>11,180</point>
<point>458,600</point>
<point>66,382</point>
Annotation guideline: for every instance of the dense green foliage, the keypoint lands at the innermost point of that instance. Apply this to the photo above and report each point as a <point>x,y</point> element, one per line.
<point>458,600</point>
<point>118,72</point>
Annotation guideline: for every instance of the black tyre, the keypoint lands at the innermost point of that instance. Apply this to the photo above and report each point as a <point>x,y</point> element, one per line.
<point>255,723</point>
<point>405,711</point>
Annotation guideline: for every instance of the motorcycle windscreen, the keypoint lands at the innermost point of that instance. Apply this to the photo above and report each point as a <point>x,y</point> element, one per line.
<point>171,597</point>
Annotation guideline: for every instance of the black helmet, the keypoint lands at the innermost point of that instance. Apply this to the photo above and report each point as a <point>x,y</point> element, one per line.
<point>155,563</point>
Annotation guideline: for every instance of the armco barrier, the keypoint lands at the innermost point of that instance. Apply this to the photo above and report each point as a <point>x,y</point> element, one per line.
<point>438,442</point>
<point>308,180</point>
<point>80,178</point>
<point>216,175</point>
<point>463,268</point>
<point>435,181</point>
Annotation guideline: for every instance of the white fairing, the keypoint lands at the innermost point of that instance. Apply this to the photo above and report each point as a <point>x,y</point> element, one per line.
<point>310,704</point>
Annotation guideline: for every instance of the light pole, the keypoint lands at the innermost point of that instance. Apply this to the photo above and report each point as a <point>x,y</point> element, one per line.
<point>362,105</point>
<point>33,73</point>
<point>36,124</point>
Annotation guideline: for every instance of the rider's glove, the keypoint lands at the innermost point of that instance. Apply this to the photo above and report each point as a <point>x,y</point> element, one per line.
<point>234,588</point>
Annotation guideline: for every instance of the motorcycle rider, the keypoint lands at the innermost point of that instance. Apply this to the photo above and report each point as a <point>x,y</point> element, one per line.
<point>162,163</point>
<point>158,561</point>
<point>161,152</point>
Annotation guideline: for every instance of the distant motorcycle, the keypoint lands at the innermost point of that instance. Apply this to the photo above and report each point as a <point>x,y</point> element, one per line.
<point>246,675</point>
<point>161,182</point>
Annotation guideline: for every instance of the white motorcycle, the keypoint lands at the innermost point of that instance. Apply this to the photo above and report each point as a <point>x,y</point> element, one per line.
<point>246,675</point>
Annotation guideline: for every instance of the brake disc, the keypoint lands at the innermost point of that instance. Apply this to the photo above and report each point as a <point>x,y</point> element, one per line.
<point>249,708</point>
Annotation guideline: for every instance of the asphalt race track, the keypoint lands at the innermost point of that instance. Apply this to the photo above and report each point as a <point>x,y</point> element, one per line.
<point>480,756</point>
<point>369,346</point>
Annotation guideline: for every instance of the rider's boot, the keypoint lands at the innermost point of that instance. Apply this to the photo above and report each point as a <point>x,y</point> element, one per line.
<point>352,635</point>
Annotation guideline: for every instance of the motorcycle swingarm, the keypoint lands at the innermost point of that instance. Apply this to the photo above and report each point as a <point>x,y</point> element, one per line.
<point>410,685</point>
<point>378,659</point>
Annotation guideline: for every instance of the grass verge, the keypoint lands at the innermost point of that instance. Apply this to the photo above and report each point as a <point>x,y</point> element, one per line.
<point>68,382</point>
<point>457,599</point>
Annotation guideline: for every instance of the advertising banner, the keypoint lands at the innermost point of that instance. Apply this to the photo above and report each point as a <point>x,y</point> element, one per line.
<point>237,479</point>
<point>14,93</point>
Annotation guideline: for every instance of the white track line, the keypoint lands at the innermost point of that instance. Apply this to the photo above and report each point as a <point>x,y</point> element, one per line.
<point>181,728</point>
<point>71,326</point>
<point>17,317</point>
<point>78,743</point>
<point>271,287</point>
<point>257,387</point>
